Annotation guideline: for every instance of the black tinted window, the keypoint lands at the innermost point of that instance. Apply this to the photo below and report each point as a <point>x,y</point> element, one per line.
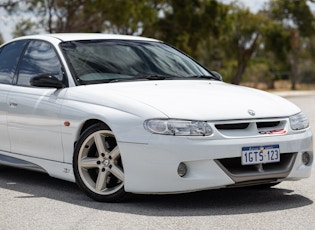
<point>39,58</point>
<point>9,58</point>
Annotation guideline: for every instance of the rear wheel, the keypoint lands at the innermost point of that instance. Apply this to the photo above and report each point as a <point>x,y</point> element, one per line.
<point>97,165</point>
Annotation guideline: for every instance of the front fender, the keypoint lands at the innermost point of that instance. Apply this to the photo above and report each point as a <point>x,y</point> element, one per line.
<point>127,127</point>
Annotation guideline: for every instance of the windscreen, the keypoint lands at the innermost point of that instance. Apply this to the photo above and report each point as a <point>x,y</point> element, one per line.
<point>98,61</point>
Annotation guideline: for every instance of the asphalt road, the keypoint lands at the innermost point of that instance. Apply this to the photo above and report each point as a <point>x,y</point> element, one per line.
<point>31,200</point>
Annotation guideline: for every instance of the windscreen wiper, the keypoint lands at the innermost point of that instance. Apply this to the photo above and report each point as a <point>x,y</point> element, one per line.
<point>144,77</point>
<point>204,77</point>
<point>214,75</point>
<point>153,77</point>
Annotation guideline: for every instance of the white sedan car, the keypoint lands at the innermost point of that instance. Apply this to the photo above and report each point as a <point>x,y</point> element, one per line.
<point>122,114</point>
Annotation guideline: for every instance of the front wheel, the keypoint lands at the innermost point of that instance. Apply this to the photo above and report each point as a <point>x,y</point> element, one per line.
<point>97,165</point>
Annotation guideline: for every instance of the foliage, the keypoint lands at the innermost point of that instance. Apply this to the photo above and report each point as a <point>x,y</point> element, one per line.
<point>8,4</point>
<point>297,19</point>
<point>242,38</point>
<point>186,23</point>
<point>272,44</point>
<point>277,39</point>
<point>24,27</point>
<point>293,14</point>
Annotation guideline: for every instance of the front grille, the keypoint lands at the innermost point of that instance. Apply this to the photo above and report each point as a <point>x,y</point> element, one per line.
<point>232,126</point>
<point>241,173</point>
<point>270,124</point>
<point>251,128</point>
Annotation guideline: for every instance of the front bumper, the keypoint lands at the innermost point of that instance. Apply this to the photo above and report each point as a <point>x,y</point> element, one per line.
<point>152,167</point>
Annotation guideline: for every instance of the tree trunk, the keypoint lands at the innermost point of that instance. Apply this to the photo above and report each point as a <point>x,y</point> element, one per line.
<point>240,71</point>
<point>294,69</point>
<point>294,58</point>
<point>245,55</point>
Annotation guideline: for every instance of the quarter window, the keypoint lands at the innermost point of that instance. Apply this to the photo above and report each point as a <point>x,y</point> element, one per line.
<point>39,58</point>
<point>9,58</point>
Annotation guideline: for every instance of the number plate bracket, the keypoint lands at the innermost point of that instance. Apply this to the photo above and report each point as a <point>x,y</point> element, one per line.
<point>260,154</point>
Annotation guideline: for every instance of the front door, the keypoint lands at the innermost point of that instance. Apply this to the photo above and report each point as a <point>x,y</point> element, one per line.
<point>34,124</point>
<point>9,58</point>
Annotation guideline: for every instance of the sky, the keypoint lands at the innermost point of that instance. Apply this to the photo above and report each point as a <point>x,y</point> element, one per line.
<point>7,25</point>
<point>254,5</point>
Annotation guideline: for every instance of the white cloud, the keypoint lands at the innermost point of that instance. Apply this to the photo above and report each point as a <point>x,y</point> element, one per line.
<point>6,25</point>
<point>256,5</point>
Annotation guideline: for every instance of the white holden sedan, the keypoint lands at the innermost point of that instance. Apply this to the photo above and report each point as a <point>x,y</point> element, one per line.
<point>122,114</point>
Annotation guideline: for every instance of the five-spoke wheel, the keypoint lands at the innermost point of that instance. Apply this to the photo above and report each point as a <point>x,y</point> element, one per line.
<point>98,166</point>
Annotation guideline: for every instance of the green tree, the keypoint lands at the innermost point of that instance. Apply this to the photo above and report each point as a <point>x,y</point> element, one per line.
<point>298,20</point>
<point>24,27</point>
<point>187,24</point>
<point>121,16</point>
<point>55,16</point>
<point>275,49</point>
<point>243,36</point>
<point>180,25</point>
<point>128,17</point>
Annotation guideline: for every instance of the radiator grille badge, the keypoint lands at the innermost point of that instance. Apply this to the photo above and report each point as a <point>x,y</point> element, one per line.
<point>251,112</point>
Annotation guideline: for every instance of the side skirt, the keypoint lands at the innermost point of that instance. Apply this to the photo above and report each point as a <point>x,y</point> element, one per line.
<point>55,169</point>
<point>14,162</point>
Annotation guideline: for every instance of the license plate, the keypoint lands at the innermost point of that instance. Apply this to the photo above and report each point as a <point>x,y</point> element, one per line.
<point>260,154</point>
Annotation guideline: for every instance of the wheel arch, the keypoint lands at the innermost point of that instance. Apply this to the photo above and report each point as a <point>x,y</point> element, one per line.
<point>91,122</point>
<point>85,125</point>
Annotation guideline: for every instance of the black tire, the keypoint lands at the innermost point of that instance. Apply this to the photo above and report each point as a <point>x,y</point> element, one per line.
<point>97,165</point>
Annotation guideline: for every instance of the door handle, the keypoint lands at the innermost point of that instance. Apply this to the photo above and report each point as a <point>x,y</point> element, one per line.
<point>13,104</point>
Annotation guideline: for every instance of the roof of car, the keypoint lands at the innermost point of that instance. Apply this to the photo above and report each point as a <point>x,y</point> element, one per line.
<point>85,36</point>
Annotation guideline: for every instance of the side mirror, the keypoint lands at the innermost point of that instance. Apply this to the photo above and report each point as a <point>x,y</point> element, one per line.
<point>46,80</point>
<point>217,75</point>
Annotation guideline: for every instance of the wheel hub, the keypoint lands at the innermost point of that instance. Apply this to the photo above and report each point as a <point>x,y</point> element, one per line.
<point>106,162</point>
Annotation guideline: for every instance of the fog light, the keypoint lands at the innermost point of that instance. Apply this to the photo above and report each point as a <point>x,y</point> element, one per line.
<point>306,158</point>
<point>182,169</point>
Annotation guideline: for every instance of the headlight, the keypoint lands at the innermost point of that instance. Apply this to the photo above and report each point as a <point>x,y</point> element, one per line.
<point>178,127</point>
<point>299,121</point>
